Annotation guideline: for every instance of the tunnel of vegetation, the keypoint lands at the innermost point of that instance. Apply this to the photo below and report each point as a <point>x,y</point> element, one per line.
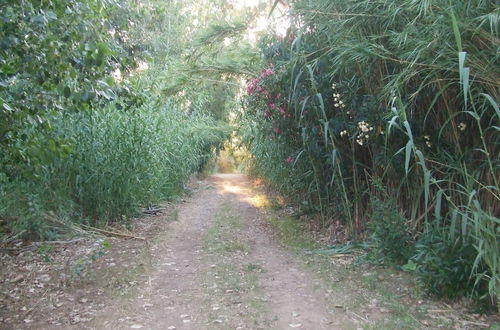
<point>89,131</point>
<point>377,117</point>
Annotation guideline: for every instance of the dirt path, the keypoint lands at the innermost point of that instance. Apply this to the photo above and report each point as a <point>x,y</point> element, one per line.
<point>222,259</point>
<point>218,268</point>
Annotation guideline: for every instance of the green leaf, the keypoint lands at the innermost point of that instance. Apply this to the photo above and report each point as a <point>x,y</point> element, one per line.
<point>456,31</point>
<point>7,107</point>
<point>465,83</point>
<point>411,266</point>
<point>493,103</point>
<point>67,92</point>
<point>304,103</point>
<point>297,158</point>
<point>52,145</point>
<point>437,209</point>
<point>311,76</point>
<point>408,150</point>
<point>408,130</point>
<point>106,244</point>
<point>461,63</point>
<point>296,43</point>
<point>465,221</point>
<point>325,131</point>
<point>392,123</point>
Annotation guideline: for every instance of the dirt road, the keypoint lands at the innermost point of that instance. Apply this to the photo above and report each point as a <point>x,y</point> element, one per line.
<point>219,268</point>
<point>220,259</point>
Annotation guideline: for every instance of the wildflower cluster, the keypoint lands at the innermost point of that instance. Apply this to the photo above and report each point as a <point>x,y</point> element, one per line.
<point>344,133</point>
<point>364,130</point>
<point>336,98</point>
<point>273,102</point>
<point>427,139</point>
<point>254,85</point>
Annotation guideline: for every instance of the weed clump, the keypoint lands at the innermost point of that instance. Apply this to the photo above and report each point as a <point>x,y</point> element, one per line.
<point>445,264</point>
<point>390,235</point>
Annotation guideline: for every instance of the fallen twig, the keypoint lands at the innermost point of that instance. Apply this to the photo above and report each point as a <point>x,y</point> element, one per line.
<point>340,255</point>
<point>359,316</point>
<point>479,324</point>
<point>13,237</point>
<point>439,310</point>
<point>35,245</point>
<point>112,233</point>
<point>72,241</point>
<point>154,211</point>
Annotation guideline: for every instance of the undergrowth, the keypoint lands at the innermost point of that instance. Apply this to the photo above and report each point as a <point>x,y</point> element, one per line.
<point>88,133</point>
<point>404,95</point>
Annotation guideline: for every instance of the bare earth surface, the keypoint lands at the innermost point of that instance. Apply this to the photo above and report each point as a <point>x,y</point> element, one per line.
<point>219,259</point>
<point>192,286</point>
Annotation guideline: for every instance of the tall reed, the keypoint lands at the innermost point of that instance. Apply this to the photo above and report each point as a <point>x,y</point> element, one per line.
<point>403,93</point>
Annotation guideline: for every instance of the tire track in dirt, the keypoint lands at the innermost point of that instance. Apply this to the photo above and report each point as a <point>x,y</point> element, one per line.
<point>292,299</point>
<point>171,292</point>
<point>178,292</point>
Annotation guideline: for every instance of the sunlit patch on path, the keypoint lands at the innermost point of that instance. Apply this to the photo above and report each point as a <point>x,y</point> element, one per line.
<point>218,268</point>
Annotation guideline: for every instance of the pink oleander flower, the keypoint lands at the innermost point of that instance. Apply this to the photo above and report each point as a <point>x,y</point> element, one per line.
<point>272,106</point>
<point>277,130</point>
<point>251,86</point>
<point>268,72</point>
<point>282,109</point>
<point>290,160</point>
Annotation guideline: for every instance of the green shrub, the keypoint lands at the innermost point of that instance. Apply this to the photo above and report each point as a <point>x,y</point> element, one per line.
<point>389,232</point>
<point>445,264</point>
<point>115,162</point>
<point>87,135</point>
<point>404,93</point>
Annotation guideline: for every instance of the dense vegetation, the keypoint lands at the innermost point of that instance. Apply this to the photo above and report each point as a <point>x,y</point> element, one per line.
<point>382,116</point>
<point>88,133</point>
<point>378,118</point>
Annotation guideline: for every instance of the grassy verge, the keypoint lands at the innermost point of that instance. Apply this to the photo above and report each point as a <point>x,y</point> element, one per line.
<point>378,297</point>
<point>131,259</point>
<point>233,296</point>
